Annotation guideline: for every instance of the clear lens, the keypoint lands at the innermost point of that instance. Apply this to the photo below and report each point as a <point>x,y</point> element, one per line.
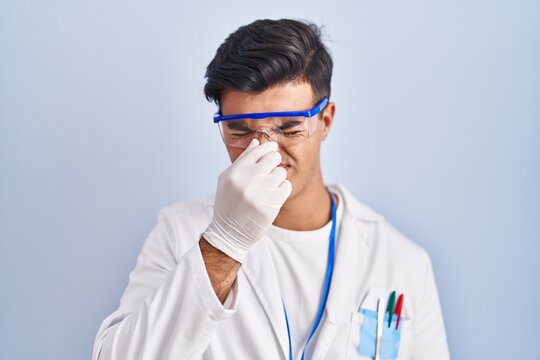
<point>285,131</point>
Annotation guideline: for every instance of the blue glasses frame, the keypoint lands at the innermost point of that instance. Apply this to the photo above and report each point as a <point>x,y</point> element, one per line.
<point>263,115</point>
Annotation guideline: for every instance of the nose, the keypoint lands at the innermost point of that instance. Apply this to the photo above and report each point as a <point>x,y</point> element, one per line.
<point>263,135</point>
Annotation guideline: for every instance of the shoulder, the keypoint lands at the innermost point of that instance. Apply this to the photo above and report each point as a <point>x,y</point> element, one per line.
<point>193,209</point>
<point>185,221</point>
<point>401,248</point>
<point>378,232</point>
<point>395,261</point>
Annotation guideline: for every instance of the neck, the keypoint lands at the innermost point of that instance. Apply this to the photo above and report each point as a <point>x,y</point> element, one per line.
<point>307,210</point>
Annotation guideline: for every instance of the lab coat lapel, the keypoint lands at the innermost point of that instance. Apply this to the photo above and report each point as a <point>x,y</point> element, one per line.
<point>261,274</point>
<point>352,249</point>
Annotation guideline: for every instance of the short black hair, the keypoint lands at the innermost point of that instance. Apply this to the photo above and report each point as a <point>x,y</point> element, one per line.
<point>268,52</point>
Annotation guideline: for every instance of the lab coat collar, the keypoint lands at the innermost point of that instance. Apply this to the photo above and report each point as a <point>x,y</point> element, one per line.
<point>354,239</point>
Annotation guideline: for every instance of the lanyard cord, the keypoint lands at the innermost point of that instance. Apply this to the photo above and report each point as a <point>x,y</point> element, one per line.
<point>329,269</point>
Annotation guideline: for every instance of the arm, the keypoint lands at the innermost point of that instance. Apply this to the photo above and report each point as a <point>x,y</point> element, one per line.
<point>169,309</point>
<point>221,268</point>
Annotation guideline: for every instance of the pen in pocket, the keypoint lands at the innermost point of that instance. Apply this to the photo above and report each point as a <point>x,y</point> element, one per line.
<point>380,322</point>
<point>399,307</point>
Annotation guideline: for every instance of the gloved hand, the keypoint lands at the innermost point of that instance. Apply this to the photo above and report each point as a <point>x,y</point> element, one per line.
<point>249,195</point>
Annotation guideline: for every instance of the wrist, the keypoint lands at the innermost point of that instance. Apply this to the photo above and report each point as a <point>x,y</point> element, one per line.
<point>221,241</point>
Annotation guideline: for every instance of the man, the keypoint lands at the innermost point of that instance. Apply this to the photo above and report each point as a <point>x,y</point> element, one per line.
<point>276,265</point>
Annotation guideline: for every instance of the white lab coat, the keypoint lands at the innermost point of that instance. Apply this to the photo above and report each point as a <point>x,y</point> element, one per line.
<point>170,311</point>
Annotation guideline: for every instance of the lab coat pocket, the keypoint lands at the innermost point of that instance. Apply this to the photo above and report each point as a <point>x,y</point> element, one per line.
<point>354,337</point>
<point>363,336</point>
<point>390,339</point>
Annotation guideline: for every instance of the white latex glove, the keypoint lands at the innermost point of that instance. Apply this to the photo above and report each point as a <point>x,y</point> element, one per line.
<point>249,195</point>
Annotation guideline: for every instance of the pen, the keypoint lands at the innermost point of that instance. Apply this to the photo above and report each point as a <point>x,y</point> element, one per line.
<point>380,322</point>
<point>390,307</point>
<point>399,307</point>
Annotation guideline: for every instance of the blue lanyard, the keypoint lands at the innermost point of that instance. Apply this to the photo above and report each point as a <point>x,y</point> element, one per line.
<point>329,269</point>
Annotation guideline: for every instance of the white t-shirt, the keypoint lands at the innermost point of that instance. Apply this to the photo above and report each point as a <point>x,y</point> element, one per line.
<point>301,259</point>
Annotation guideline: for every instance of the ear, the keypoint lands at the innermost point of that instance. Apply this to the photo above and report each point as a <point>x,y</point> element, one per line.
<point>328,118</point>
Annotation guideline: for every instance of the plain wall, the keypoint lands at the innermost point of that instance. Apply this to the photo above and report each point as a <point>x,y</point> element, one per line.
<point>103,122</point>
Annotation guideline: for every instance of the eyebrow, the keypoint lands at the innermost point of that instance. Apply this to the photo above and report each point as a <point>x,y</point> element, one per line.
<point>240,125</point>
<point>289,124</point>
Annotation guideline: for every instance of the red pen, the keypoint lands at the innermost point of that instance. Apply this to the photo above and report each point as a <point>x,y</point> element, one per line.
<point>399,307</point>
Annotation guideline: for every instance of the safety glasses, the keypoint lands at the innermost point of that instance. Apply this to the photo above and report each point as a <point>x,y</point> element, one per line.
<point>287,128</point>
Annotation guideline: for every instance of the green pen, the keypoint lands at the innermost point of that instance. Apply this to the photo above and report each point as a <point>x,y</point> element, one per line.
<point>391,307</point>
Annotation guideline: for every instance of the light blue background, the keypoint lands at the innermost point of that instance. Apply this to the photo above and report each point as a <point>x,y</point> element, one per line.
<point>103,122</point>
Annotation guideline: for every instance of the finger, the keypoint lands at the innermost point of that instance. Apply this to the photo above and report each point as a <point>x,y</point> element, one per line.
<point>254,154</point>
<point>277,197</point>
<point>253,144</point>
<point>269,162</point>
<point>285,190</point>
<point>274,179</point>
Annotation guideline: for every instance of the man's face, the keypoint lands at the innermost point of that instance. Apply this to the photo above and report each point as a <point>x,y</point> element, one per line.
<point>302,161</point>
